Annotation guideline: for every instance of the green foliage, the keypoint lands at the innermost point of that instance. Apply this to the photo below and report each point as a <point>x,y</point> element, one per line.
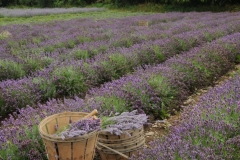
<point>49,49</point>
<point>125,42</point>
<point>159,54</point>
<point>118,63</point>
<point>161,86</point>
<point>238,58</point>
<point>202,68</point>
<point>62,129</point>
<point>82,39</point>
<point>66,16</point>
<point>36,51</point>
<point>105,122</point>
<point>69,80</point>
<point>167,92</point>
<point>47,88</point>
<point>2,103</point>
<point>80,54</point>
<point>15,70</point>
<point>11,150</point>
<point>143,98</point>
<point>88,68</point>
<point>108,103</point>
<point>33,134</point>
<point>34,64</point>
<point>71,44</point>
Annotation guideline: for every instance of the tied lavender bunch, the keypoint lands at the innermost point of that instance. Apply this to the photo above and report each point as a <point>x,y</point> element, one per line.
<point>81,127</point>
<point>125,121</point>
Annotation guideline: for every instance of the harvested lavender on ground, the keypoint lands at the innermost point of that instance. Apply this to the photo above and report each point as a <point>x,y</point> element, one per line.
<point>79,128</point>
<point>125,121</point>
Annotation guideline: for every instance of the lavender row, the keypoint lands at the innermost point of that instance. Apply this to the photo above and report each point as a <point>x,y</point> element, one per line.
<point>76,77</point>
<point>28,47</point>
<point>25,35</point>
<point>159,89</point>
<point>38,46</point>
<point>144,90</point>
<point>51,34</point>
<point>210,131</point>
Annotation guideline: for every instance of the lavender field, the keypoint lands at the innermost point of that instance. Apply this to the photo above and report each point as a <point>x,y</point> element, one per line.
<point>114,65</point>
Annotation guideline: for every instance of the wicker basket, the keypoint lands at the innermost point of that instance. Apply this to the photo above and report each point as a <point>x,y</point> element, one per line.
<point>79,148</point>
<point>113,147</point>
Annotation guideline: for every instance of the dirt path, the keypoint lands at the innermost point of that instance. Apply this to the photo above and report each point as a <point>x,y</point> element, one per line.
<point>161,128</point>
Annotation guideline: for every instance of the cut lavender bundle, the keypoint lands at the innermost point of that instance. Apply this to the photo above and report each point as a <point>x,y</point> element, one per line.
<point>79,128</point>
<point>125,121</point>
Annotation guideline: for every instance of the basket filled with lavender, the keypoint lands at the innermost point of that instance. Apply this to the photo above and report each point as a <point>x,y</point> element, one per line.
<point>121,136</point>
<point>70,135</point>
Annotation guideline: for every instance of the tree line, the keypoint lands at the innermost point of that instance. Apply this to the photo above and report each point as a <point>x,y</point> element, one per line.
<point>118,3</point>
<point>176,2</point>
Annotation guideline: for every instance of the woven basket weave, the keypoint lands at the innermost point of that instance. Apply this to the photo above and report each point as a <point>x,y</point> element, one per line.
<point>125,144</point>
<point>77,148</point>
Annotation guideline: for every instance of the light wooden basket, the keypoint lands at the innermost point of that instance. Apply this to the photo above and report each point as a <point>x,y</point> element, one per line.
<point>78,148</point>
<point>113,147</point>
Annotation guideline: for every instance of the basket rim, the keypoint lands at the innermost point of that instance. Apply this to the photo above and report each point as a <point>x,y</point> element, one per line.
<point>50,137</point>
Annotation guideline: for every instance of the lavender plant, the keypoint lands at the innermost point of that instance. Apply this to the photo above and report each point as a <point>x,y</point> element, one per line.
<point>11,70</point>
<point>125,121</point>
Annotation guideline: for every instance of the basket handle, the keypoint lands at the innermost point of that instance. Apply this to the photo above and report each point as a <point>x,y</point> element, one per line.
<point>91,114</point>
<point>123,155</point>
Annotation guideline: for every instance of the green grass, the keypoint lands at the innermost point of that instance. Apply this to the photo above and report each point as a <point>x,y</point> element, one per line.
<point>114,12</point>
<point>67,16</point>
